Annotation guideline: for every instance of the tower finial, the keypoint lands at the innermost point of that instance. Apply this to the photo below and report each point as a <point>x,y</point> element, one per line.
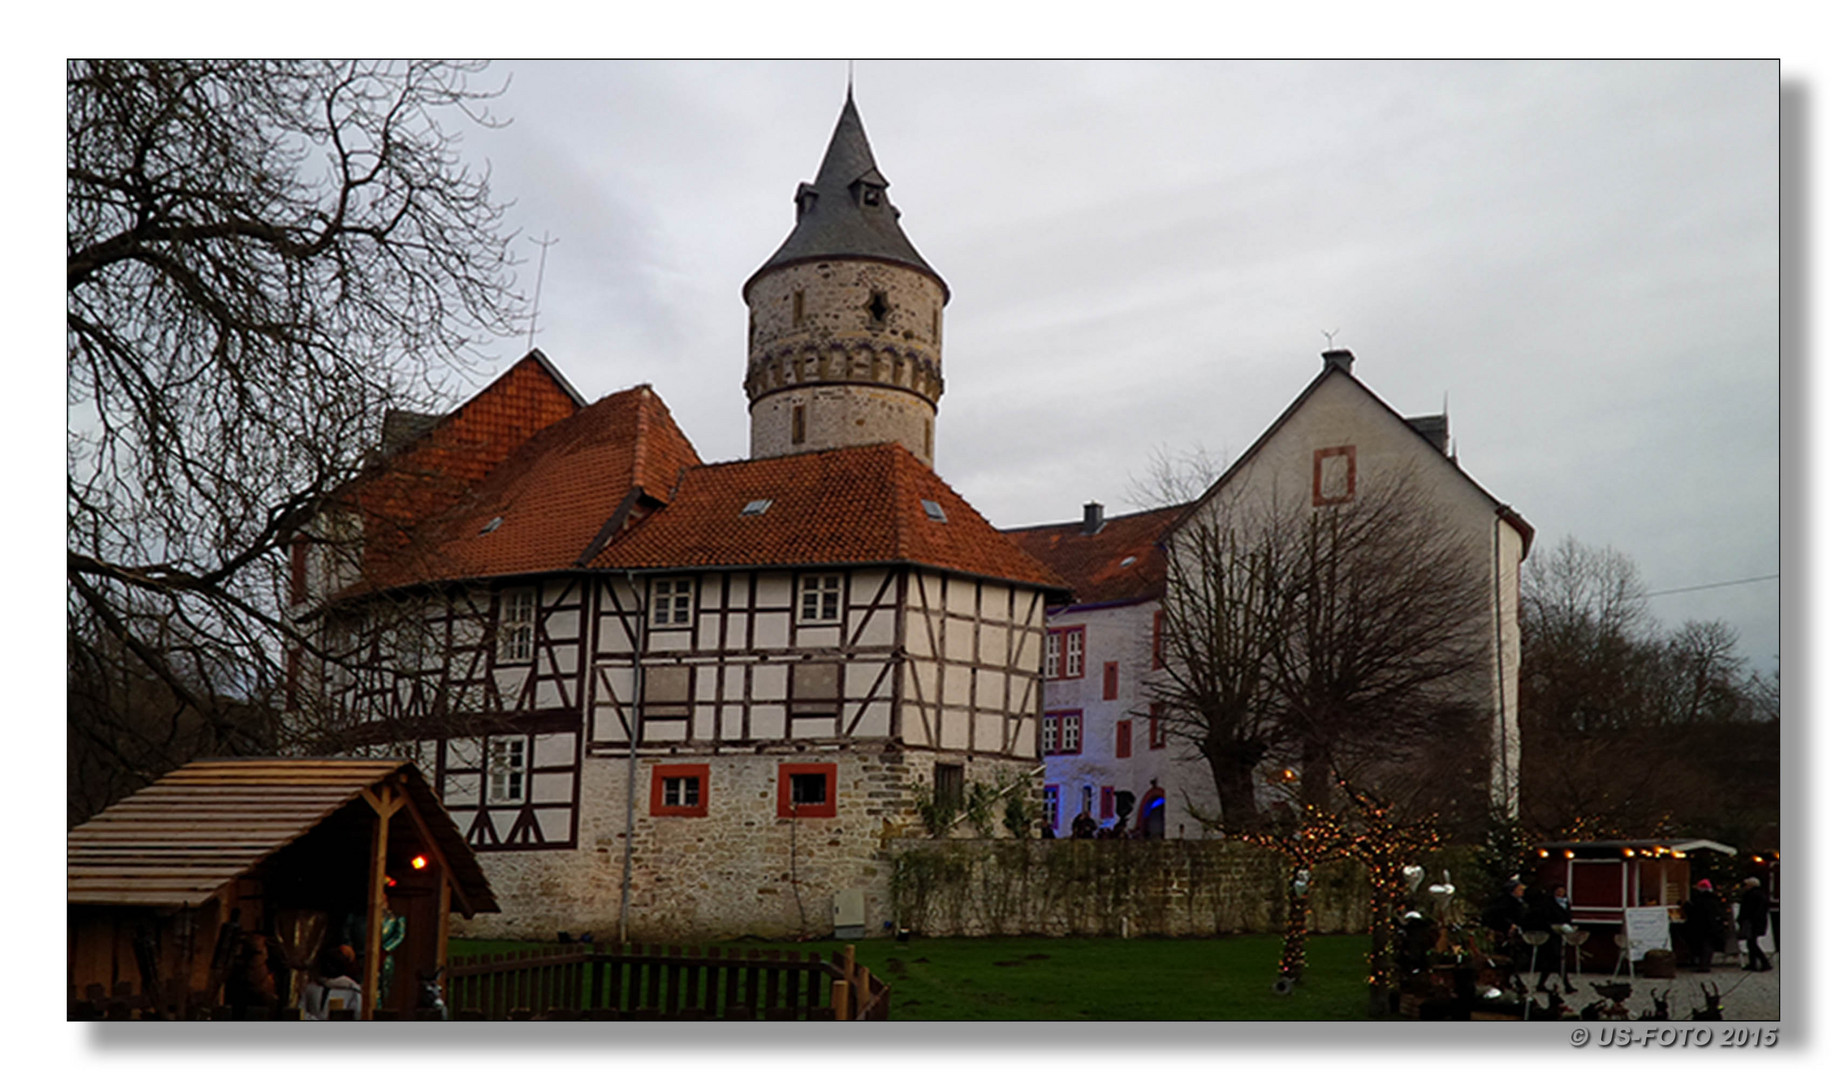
<point>849,80</point>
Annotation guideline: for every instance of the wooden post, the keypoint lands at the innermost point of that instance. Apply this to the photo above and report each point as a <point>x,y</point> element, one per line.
<point>862,982</point>
<point>384,805</point>
<point>840,999</point>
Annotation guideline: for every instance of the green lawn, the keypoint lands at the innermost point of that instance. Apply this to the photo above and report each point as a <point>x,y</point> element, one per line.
<point>1225,978</point>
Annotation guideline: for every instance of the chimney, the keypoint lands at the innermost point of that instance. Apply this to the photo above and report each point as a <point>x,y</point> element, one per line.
<point>1093,518</point>
<point>1338,358</point>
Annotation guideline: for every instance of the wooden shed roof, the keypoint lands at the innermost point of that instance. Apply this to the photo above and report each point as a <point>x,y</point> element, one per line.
<point>181,838</point>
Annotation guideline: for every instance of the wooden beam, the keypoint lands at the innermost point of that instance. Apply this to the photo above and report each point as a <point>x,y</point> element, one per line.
<point>384,803</point>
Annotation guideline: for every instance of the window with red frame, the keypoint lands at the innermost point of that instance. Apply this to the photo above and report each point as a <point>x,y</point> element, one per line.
<point>1157,726</point>
<point>1109,681</point>
<point>1063,732</point>
<point>1125,738</point>
<point>806,790</point>
<point>1064,653</point>
<point>1334,475</point>
<point>680,790</point>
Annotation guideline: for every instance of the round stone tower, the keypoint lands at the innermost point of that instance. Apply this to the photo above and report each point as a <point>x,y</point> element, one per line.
<point>846,319</point>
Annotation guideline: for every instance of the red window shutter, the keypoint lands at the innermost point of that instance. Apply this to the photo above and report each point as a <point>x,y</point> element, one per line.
<point>298,571</point>
<point>1157,641</point>
<point>1109,681</point>
<point>1125,738</point>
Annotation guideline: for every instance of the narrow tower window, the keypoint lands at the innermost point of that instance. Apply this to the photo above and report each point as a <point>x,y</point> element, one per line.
<point>798,425</point>
<point>800,303</point>
<point>936,324</point>
<point>878,306</point>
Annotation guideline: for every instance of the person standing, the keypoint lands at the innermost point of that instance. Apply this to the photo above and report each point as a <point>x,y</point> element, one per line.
<point>1705,924</point>
<point>1754,922</point>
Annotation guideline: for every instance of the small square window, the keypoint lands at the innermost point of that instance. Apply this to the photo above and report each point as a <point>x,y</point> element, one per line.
<point>680,790</point>
<point>819,600</point>
<point>671,602</point>
<point>805,790</point>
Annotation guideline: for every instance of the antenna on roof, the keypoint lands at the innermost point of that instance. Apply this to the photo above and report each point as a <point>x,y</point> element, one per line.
<point>1329,334</point>
<point>532,329</point>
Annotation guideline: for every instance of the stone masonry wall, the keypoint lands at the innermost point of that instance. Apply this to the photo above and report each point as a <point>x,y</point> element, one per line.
<point>738,870</point>
<point>860,378</point>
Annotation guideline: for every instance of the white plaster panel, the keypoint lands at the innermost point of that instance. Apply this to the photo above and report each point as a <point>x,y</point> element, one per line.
<point>863,586</point>
<point>772,631</point>
<point>994,603</point>
<point>461,788</point>
<point>732,723</point>
<point>766,721</point>
<point>955,730</point>
<point>991,690</point>
<point>769,682</point>
<point>733,679</point>
<point>710,625</point>
<point>876,629</point>
<point>874,723</point>
<point>812,727</point>
<point>992,641</point>
<point>988,732</point>
<point>545,695</point>
<point>774,590</point>
<point>705,724</point>
<point>956,687</point>
<point>862,676</point>
<point>961,597</point>
<point>817,637</point>
<point>613,635</point>
<point>959,640</point>
<point>555,824</point>
<point>737,630</point>
<point>554,748</point>
<point>551,787</point>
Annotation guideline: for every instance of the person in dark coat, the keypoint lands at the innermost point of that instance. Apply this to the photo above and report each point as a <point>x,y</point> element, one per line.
<point>1549,912</point>
<point>1754,922</point>
<point>1083,826</point>
<point>1705,924</point>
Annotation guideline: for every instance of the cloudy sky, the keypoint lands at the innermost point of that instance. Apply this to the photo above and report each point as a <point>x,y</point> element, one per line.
<point>1579,258</point>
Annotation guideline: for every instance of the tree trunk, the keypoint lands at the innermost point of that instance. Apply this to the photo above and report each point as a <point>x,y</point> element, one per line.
<point>1237,795</point>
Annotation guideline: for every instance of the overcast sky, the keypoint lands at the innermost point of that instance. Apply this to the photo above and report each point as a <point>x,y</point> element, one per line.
<point>1580,258</point>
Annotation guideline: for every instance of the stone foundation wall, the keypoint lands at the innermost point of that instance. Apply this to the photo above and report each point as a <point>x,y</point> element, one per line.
<point>738,870</point>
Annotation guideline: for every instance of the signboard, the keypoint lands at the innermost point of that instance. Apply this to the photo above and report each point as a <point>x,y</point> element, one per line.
<point>1647,929</point>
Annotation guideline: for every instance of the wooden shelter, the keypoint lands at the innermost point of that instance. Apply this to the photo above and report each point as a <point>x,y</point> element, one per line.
<point>221,862</point>
<point>1605,879</point>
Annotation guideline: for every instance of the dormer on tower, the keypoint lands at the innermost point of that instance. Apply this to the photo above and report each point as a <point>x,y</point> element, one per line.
<point>846,319</point>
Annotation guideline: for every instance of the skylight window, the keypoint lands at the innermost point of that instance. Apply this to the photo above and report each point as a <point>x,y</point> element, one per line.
<point>755,507</point>
<point>1127,560</point>
<point>934,511</point>
<point>490,526</point>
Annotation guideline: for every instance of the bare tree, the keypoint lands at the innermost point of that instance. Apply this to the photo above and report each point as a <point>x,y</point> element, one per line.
<point>261,258</point>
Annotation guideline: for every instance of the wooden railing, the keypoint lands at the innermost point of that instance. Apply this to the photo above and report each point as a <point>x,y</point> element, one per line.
<point>576,982</point>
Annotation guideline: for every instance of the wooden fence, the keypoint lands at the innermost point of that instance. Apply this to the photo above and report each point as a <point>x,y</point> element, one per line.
<point>635,982</point>
<point>575,982</point>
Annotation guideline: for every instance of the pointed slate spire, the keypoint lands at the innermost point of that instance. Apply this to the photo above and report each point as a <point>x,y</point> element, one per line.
<point>845,212</point>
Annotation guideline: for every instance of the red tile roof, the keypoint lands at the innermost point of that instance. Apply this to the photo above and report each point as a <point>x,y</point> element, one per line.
<point>553,495</point>
<point>437,469</point>
<point>520,480</point>
<point>1122,562</point>
<point>858,505</point>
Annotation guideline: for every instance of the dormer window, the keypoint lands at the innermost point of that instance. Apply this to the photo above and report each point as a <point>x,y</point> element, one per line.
<point>871,196</point>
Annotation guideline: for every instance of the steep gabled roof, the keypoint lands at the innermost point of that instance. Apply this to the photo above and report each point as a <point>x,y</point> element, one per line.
<point>544,505</point>
<point>181,838</point>
<point>1332,371</point>
<point>1121,563</point>
<point>833,218</point>
<point>428,474</point>
<point>856,505</point>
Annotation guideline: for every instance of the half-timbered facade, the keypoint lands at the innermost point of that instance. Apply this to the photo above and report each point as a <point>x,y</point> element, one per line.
<point>684,698</point>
